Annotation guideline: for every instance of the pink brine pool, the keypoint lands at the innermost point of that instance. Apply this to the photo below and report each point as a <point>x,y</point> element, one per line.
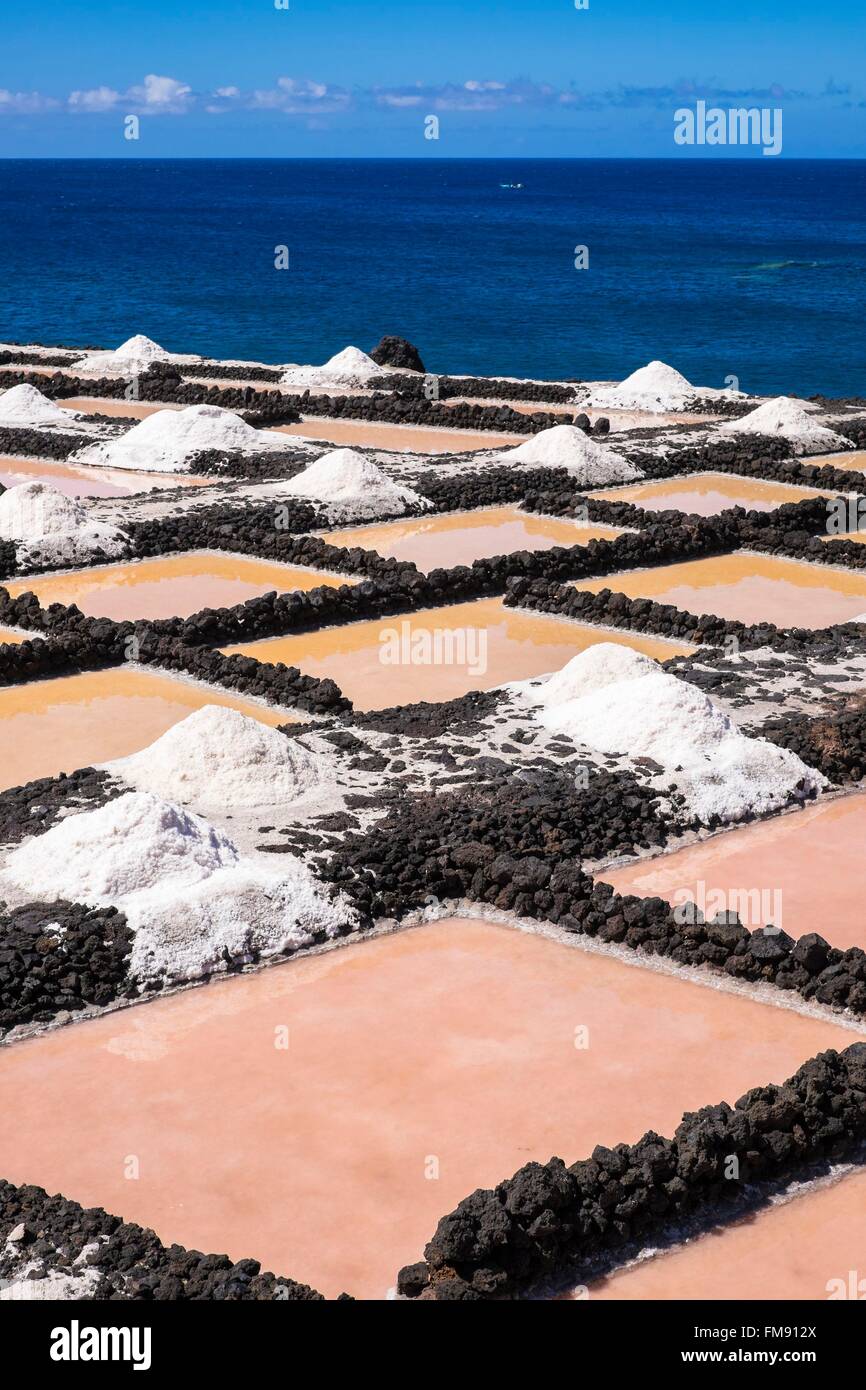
<point>418,1066</point>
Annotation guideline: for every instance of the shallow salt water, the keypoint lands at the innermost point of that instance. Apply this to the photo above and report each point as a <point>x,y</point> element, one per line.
<point>461,537</point>
<point>803,872</point>
<point>80,481</point>
<point>171,586</point>
<point>371,661</point>
<point>54,726</point>
<point>749,588</point>
<point>804,1249</point>
<point>404,438</point>
<point>707,494</point>
<point>12,638</point>
<point>419,1066</point>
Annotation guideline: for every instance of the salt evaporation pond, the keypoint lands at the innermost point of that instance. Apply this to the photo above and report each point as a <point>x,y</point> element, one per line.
<point>382,662</point>
<point>12,637</point>
<point>803,872</point>
<point>707,494</point>
<point>81,481</point>
<point>172,585</point>
<point>440,542</point>
<point>104,405</point>
<point>419,1066</point>
<point>807,1248</point>
<point>851,462</point>
<point>54,726</point>
<point>403,438</point>
<point>748,588</point>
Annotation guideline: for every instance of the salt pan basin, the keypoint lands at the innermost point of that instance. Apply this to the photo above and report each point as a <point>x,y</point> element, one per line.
<point>708,494</point>
<point>747,587</point>
<point>441,542</point>
<point>12,637</point>
<point>171,586</point>
<point>419,1066</point>
<point>79,481</point>
<point>808,1248</point>
<point>406,439</point>
<point>441,653</point>
<point>803,872</point>
<point>54,726</point>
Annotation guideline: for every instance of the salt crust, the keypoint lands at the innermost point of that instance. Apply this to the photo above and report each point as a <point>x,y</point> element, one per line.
<point>168,440</point>
<point>219,758</point>
<point>656,387</point>
<point>135,355</point>
<point>351,485</point>
<point>351,367</point>
<point>787,417</point>
<point>24,407</point>
<point>614,700</point>
<point>566,446</point>
<point>49,528</point>
<point>191,899</point>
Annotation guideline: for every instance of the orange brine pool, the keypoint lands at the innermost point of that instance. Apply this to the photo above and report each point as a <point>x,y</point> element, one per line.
<point>440,542</point>
<point>172,585</point>
<point>748,588</point>
<point>77,480</point>
<point>707,494</point>
<point>418,1066</point>
<point>441,653</point>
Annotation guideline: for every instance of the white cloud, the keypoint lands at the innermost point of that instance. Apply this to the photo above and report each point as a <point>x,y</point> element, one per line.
<point>25,103</point>
<point>94,99</point>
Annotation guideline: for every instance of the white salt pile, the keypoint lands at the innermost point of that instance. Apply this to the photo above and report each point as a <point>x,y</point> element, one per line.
<point>168,440</point>
<point>220,758</point>
<point>134,356</point>
<point>348,368</point>
<point>190,898</point>
<point>49,528</point>
<point>566,446</point>
<point>616,701</point>
<point>656,387</point>
<point>786,416</point>
<point>352,487</point>
<point>23,407</point>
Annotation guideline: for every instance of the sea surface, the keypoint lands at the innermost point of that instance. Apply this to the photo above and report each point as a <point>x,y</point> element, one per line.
<point>754,269</point>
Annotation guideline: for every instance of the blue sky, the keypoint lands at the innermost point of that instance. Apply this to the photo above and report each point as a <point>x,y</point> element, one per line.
<point>504,77</point>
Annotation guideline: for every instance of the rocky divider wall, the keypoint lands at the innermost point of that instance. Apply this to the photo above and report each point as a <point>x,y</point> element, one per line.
<point>484,388</point>
<point>58,957</point>
<point>550,1221</point>
<point>223,372</point>
<point>834,743</point>
<point>254,468</point>
<point>43,444</point>
<point>408,409</point>
<point>37,359</point>
<point>161,385</point>
<point>54,1234</point>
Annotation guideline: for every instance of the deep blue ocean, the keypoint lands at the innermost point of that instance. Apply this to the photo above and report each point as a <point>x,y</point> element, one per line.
<point>753,268</point>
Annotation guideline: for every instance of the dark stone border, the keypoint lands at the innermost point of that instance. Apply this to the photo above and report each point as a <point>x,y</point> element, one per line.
<point>548,1219</point>
<point>132,1262</point>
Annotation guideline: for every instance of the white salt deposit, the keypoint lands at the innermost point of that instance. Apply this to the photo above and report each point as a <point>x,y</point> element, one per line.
<point>23,407</point>
<point>168,440</point>
<point>135,355</point>
<point>190,898</point>
<point>348,368</point>
<point>788,417</point>
<point>351,485</point>
<point>50,528</point>
<point>656,387</point>
<point>566,446</point>
<point>220,758</point>
<point>616,701</point>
